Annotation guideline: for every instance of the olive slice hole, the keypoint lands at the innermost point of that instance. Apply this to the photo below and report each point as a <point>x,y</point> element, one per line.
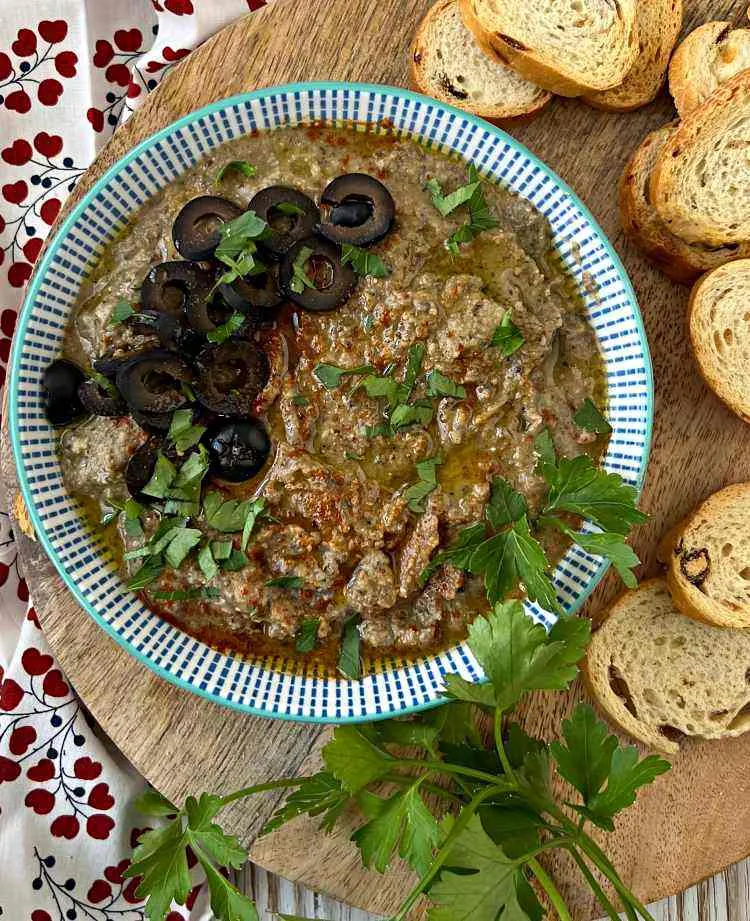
<point>353,211</point>
<point>320,271</point>
<point>280,222</point>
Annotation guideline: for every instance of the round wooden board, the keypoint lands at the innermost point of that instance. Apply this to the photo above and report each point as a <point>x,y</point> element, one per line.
<point>692,822</point>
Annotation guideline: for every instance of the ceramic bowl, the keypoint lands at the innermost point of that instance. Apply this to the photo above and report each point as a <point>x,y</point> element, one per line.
<point>270,686</point>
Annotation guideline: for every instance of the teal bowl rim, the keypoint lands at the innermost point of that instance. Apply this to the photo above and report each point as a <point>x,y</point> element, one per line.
<point>102,182</point>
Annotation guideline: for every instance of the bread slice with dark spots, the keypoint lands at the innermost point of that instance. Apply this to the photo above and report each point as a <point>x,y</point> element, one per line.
<point>708,560</point>
<point>446,62</point>
<point>662,677</point>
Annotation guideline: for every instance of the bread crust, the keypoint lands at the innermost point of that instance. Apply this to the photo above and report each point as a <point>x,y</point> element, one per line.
<point>418,77</point>
<point>532,65</point>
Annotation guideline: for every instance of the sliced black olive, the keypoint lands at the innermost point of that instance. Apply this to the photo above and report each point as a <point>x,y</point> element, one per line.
<point>230,376</point>
<point>256,295</point>
<point>140,467</point>
<point>356,209</point>
<point>196,230</point>
<point>153,423</point>
<point>287,224</point>
<point>176,288</point>
<point>151,382</point>
<point>172,335</point>
<point>100,402</point>
<point>332,281</point>
<point>61,382</point>
<point>238,450</point>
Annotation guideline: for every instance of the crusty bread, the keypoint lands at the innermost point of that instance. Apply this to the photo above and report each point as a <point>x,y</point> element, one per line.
<point>447,63</point>
<point>569,47</point>
<point>719,322</point>
<point>682,262</point>
<point>661,676</point>
<point>659,23</point>
<point>701,182</point>
<point>709,56</point>
<point>708,560</point>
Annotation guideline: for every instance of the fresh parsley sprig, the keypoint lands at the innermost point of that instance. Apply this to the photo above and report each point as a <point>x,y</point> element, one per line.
<point>238,248</point>
<point>363,262</point>
<point>470,811</point>
<point>471,195</point>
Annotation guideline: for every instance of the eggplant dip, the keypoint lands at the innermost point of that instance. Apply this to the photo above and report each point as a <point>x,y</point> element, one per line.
<point>314,382</point>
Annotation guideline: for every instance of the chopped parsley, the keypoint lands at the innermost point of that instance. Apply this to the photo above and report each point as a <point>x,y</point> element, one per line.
<point>418,413</point>
<point>471,195</point>
<point>221,549</point>
<point>286,582</point>
<point>239,166</point>
<point>438,385</point>
<point>307,635</point>
<point>507,337</point>
<point>426,483</point>
<point>161,479</point>
<point>182,433</point>
<point>232,515</point>
<point>228,329</point>
<point>299,400</point>
<point>186,594</point>
<point>350,662</point>
<point>363,262</point>
<point>207,562</point>
<point>236,561</point>
<point>121,312</point>
<point>331,376</point>
<point>238,249</point>
<point>300,278</point>
<point>289,208</point>
<point>446,204</point>
<point>590,418</point>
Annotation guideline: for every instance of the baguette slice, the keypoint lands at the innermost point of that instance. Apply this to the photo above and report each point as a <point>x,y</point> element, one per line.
<point>447,63</point>
<point>708,560</point>
<point>709,56</point>
<point>659,23</point>
<point>701,182</point>
<point>719,323</point>
<point>661,676</point>
<point>567,51</point>
<point>682,262</point>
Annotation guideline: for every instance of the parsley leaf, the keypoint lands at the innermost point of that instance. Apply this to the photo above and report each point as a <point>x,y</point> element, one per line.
<point>122,310</point>
<point>330,376</point>
<point>438,385</point>
<point>237,248</point>
<point>182,433</point>
<point>307,635</point>
<point>231,515</point>
<point>321,794</point>
<point>353,759</point>
<point>427,483</point>
<point>458,553</point>
<point>445,204</point>
<point>285,582</point>
<point>350,663</point>
<point>505,505</point>
<point>300,278</point>
<point>611,546</point>
<point>160,859</point>
<point>405,414</point>
<point>507,337</point>
<point>414,359</point>
<point>161,479</point>
<point>180,545</point>
<point>387,387</point>
<point>235,562</point>
<point>207,563</point>
<point>148,573</point>
<point>480,218</point>
<point>240,166</point>
<point>289,208</point>
<point>588,417</point>
<point>363,262</point>
<point>228,329</point>
<point>580,487</point>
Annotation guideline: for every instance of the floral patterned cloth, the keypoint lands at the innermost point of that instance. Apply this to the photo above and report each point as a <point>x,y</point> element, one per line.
<point>70,72</point>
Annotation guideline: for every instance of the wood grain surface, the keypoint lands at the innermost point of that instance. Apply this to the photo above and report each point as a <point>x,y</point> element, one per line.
<point>692,822</point>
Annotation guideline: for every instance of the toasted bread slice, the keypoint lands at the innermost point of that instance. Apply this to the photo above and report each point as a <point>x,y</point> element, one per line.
<point>719,322</point>
<point>708,560</point>
<point>661,676</point>
<point>447,63</point>
<point>712,54</point>
<point>682,262</point>
<point>701,182</point>
<point>566,52</point>
<point>659,23</point>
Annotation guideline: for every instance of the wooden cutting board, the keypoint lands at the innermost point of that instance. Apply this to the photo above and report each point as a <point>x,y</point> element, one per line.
<point>692,822</point>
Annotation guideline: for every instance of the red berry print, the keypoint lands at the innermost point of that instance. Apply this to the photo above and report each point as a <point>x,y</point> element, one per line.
<point>41,801</point>
<point>18,101</point>
<point>2,228</point>
<point>32,247</point>
<point>15,192</point>
<point>86,769</point>
<point>116,874</point>
<point>21,739</point>
<point>99,826</point>
<point>175,54</point>
<point>49,91</point>
<point>40,915</point>
<point>128,39</point>
<point>18,154</point>
<point>99,891</point>
<point>179,7</point>
<point>256,4</point>
<point>35,662</point>
<point>18,274</point>
<point>100,797</point>
<point>53,31</point>
<point>133,90</point>
<point>96,118</point>
<point>174,916</point>
<point>6,68</point>
<point>9,770</point>
<point>7,325</point>
<point>41,772</point>
<point>104,53</point>
<point>128,893</point>
<point>49,210</point>
<point>118,73</point>
<point>22,589</point>
<point>4,349</point>
<point>53,685</point>
<point>65,826</point>
<point>135,834</point>
<point>48,145</point>
<point>25,44</point>
<point>65,63</point>
<point>11,695</point>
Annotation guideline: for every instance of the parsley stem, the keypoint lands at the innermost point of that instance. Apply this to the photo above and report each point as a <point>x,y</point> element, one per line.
<point>600,894</point>
<point>263,788</point>
<point>629,900</point>
<point>500,745</point>
<point>433,753</point>
<point>433,788</point>
<point>553,893</point>
<point>441,767</point>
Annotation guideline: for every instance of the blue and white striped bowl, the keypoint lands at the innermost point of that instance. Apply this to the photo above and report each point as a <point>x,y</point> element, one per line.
<point>270,686</point>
